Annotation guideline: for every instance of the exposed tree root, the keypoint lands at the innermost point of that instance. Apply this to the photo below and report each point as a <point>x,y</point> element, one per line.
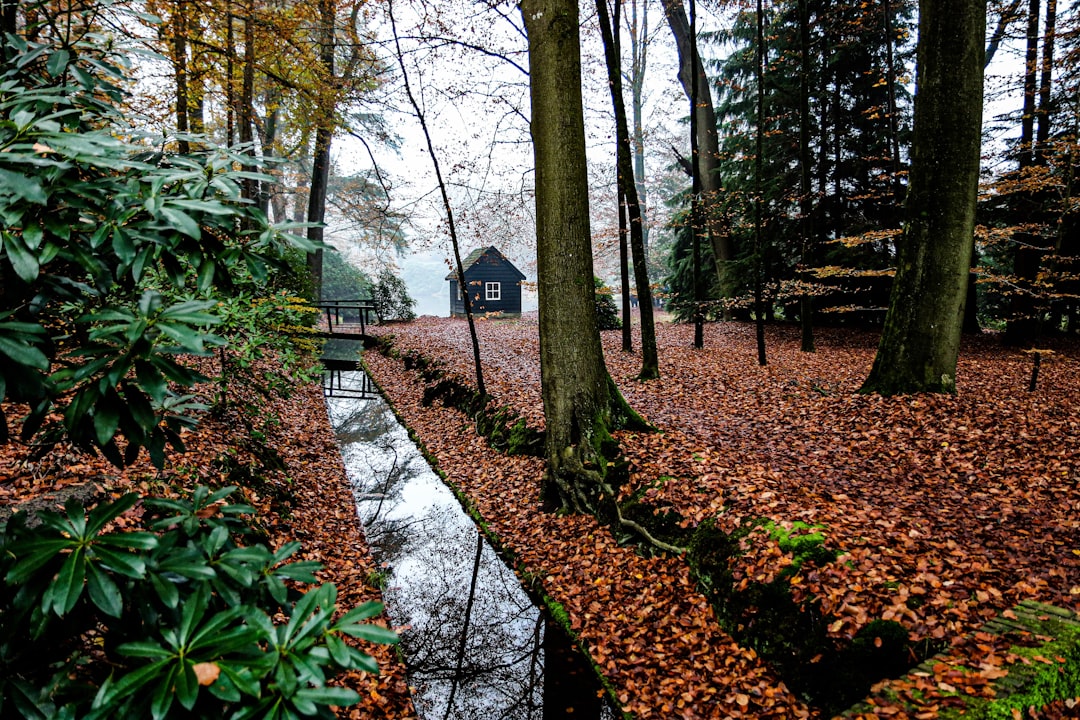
<point>571,467</point>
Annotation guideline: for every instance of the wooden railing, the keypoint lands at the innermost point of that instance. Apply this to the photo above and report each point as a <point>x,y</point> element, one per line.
<point>344,317</point>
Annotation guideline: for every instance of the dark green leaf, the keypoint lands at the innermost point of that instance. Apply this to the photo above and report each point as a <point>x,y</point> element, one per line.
<point>372,633</point>
<point>182,222</point>
<point>65,590</point>
<point>23,354</point>
<point>329,695</point>
<point>103,591</point>
<point>23,261</point>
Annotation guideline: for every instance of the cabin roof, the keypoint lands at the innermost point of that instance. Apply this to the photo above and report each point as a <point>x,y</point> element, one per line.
<point>474,257</point>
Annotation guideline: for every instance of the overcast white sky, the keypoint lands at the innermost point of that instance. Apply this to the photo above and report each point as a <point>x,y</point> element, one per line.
<point>476,107</point>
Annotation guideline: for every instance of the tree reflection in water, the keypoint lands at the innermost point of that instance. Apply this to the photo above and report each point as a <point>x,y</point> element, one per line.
<point>475,645</point>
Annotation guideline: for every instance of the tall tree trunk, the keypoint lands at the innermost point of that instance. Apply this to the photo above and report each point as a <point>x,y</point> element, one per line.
<point>697,227</point>
<point>806,202</point>
<point>180,62</point>
<point>247,100</point>
<point>324,134</point>
<point>695,84</point>
<point>1022,326</point>
<point>624,277</point>
<point>450,224</point>
<point>921,338</point>
<point>650,365</point>
<point>839,220</point>
<point>894,119</point>
<point>9,19</point>
<point>270,194</point>
<point>230,85</point>
<point>759,185</point>
<point>579,396</point>
<point>971,302</point>
<point>639,57</point>
<point>1031,74</point>
<point>1046,72</point>
<point>1008,15</point>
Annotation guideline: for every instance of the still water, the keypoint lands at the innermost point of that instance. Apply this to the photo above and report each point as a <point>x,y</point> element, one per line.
<point>475,645</point>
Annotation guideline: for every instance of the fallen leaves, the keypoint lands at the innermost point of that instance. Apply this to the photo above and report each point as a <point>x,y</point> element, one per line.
<point>945,510</point>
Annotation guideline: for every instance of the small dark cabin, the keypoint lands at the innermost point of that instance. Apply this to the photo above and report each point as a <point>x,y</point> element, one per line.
<point>494,284</point>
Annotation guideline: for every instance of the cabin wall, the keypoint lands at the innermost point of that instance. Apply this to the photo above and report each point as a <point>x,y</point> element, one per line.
<point>476,279</point>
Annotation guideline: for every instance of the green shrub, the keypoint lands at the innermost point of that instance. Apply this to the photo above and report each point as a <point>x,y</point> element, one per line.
<point>188,617</point>
<point>341,280</point>
<point>391,298</point>
<point>607,313</point>
<point>114,253</point>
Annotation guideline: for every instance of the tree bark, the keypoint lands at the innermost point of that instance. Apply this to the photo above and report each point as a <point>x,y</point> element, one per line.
<point>697,227</point>
<point>624,277</point>
<point>639,45</point>
<point>230,86</point>
<point>324,133</point>
<point>270,195</point>
<point>1012,12</point>
<point>806,202</point>
<point>1023,325</point>
<point>250,186</point>
<point>1046,72</point>
<point>9,18</point>
<point>577,392</point>
<point>696,85</point>
<point>759,152</point>
<point>920,341</point>
<point>181,65</point>
<point>1031,74</point>
<point>650,365</point>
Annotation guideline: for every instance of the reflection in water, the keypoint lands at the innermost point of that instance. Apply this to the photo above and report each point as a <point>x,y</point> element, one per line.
<point>475,644</point>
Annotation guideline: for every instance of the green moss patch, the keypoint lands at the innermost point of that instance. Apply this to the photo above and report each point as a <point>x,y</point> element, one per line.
<point>1040,670</point>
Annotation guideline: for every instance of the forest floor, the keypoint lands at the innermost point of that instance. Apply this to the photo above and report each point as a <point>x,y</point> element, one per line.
<point>942,511</point>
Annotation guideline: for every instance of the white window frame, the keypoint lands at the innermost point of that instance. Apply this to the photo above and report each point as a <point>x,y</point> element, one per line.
<point>458,286</point>
<point>492,291</point>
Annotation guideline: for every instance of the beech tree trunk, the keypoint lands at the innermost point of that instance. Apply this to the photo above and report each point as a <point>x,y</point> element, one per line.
<point>639,55</point>
<point>448,209</point>
<point>650,365</point>
<point>624,278</point>
<point>697,227</point>
<point>1022,328</point>
<point>696,86</point>
<point>759,152</point>
<point>250,187</point>
<point>806,201</point>
<point>1046,72</point>
<point>578,394</point>
<point>921,338</point>
<point>9,15</point>
<point>324,133</point>
<point>180,64</point>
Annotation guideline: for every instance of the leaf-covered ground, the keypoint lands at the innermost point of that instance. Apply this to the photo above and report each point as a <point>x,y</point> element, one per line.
<point>309,500</point>
<point>946,510</point>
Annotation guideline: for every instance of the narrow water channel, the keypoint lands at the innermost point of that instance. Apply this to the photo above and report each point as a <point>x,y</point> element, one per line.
<point>474,643</point>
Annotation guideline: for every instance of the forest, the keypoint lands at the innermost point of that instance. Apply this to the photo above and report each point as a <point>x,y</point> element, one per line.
<point>790,433</point>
